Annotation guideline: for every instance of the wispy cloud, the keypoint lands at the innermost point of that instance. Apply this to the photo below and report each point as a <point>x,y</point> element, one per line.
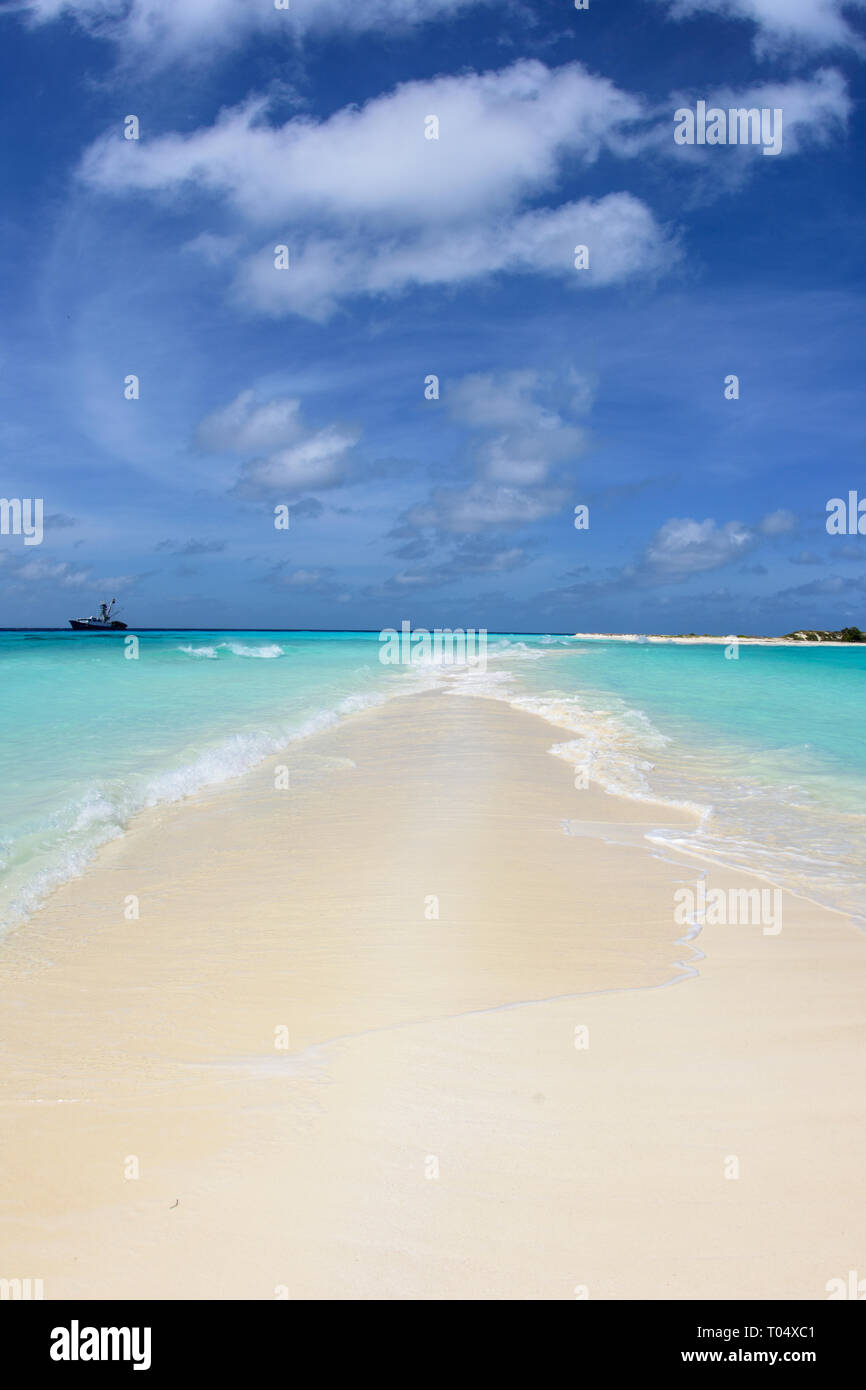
<point>779,523</point>
<point>163,31</point>
<point>296,457</point>
<point>193,547</point>
<point>682,547</point>
<point>809,25</point>
<point>524,440</point>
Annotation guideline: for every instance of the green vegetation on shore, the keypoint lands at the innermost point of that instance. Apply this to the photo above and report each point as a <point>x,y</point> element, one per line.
<point>845,634</point>
<point>803,634</point>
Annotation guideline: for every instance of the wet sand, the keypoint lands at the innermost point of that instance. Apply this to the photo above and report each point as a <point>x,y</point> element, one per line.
<point>422,1025</point>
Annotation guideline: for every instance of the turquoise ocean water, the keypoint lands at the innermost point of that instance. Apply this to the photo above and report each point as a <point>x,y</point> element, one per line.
<point>769,749</point>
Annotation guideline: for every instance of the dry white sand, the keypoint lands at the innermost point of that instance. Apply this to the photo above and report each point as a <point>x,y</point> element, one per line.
<point>431,1130</point>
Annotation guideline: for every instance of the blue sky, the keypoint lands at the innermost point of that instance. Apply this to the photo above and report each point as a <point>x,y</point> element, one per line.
<point>409,257</point>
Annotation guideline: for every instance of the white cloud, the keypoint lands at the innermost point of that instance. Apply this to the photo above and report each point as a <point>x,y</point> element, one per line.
<point>523,441</point>
<point>624,237</point>
<point>165,30</point>
<point>532,437</point>
<point>368,206</point>
<point>248,425</point>
<point>59,572</point>
<point>682,546</point>
<point>319,461</point>
<point>779,523</point>
<point>321,580</point>
<point>812,109</point>
<point>522,460</point>
<point>814,24</point>
<point>20,573</point>
<point>481,505</point>
<point>212,248</point>
<point>504,401</point>
<point>194,29</point>
<point>304,579</point>
<point>497,562</point>
<point>502,136</point>
<point>290,456</point>
<point>468,557</point>
<point>815,111</point>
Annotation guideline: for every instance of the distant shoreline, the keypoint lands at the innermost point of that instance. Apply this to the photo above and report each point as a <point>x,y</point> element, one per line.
<point>682,638</point>
<point>714,640</point>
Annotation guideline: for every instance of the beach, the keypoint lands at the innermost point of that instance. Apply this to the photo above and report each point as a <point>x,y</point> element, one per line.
<point>421,1024</point>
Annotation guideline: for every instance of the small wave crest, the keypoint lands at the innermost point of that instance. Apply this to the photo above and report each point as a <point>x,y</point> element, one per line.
<point>804,836</point>
<point>61,844</point>
<point>267,652</point>
<point>210,652</point>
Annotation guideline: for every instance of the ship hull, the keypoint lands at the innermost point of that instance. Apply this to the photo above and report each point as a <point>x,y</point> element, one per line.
<point>82,625</point>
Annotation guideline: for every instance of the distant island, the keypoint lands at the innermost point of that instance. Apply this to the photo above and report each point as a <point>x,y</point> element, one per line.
<point>805,634</point>
<point>845,635</point>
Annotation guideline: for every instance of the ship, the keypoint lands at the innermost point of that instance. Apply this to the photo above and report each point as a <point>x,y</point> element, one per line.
<point>104,622</point>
